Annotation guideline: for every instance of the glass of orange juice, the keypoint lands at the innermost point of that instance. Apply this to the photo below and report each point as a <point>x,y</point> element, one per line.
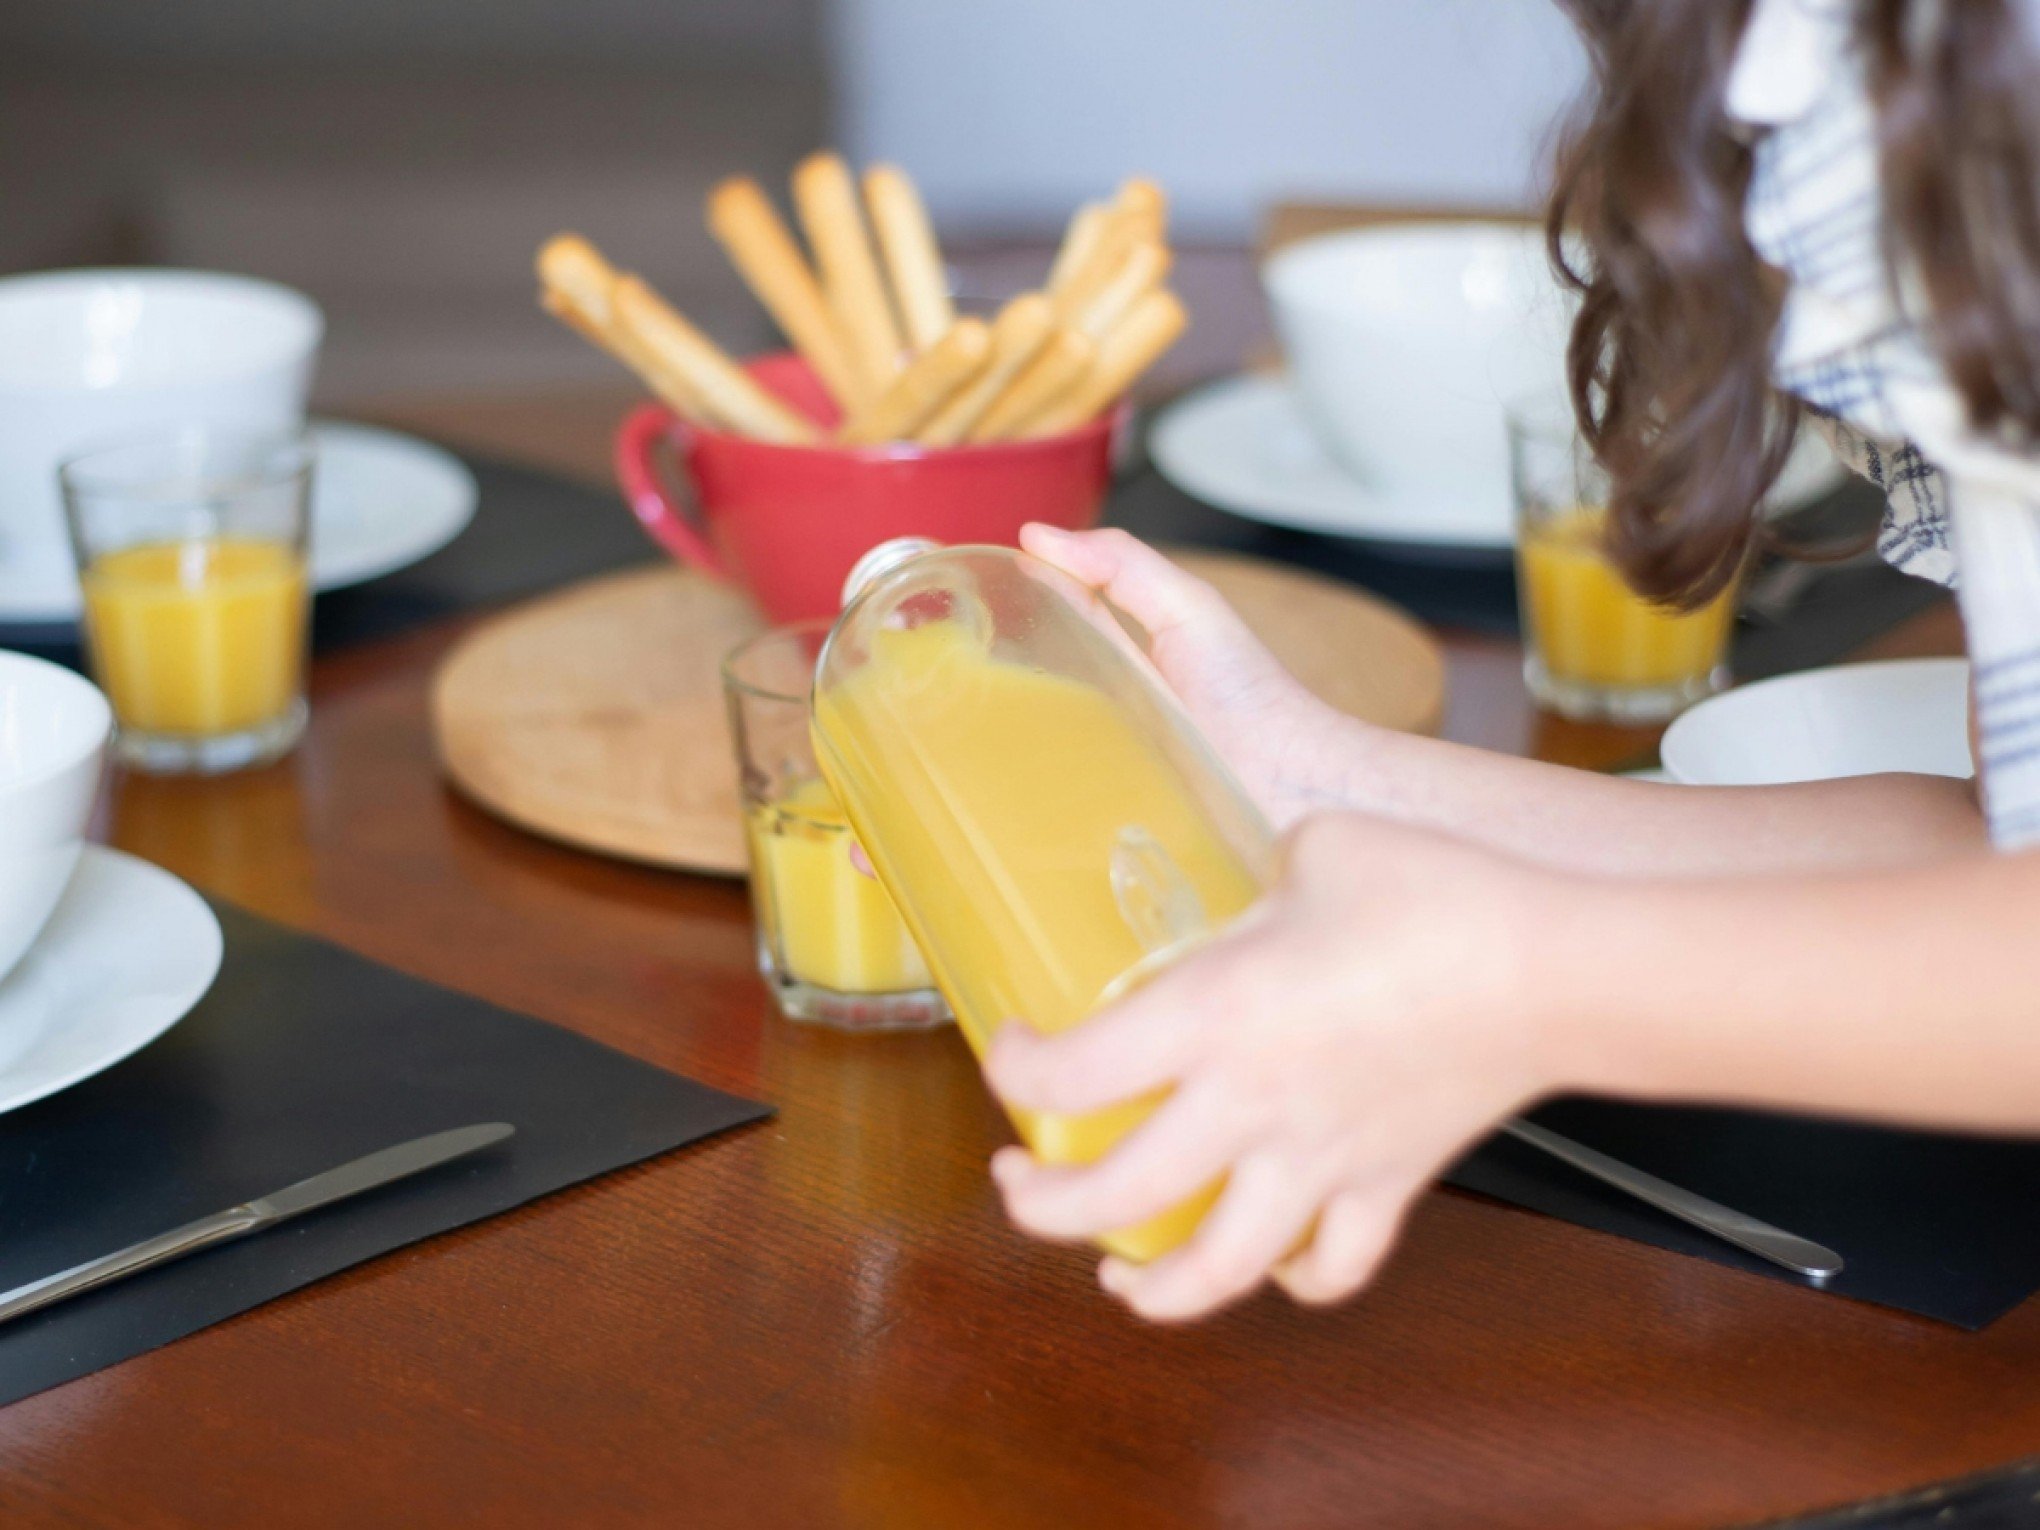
<point>191,549</point>
<point>831,946</point>
<point>1594,649</point>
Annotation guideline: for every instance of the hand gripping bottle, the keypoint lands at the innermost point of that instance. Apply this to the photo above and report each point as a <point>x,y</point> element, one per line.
<point>1049,822</point>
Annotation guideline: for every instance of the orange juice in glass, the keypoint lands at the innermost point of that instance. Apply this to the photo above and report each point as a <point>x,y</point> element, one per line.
<point>192,560</point>
<point>1594,649</point>
<point>831,946</point>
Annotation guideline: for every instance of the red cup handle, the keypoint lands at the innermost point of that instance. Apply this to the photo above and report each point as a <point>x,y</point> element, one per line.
<point>667,514</point>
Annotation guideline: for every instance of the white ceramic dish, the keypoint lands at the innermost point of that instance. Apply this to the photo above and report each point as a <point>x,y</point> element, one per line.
<point>380,502</point>
<point>127,954</point>
<point>1848,720</point>
<point>87,356</point>
<point>1405,341</point>
<point>1243,445</point>
<point>54,727</point>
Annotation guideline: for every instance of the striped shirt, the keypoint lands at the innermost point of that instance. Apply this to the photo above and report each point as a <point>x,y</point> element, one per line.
<point>1962,508</point>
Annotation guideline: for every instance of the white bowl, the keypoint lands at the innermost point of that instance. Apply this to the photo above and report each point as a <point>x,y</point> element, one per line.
<point>1908,715</point>
<point>1406,342</point>
<point>89,356</point>
<point>53,731</point>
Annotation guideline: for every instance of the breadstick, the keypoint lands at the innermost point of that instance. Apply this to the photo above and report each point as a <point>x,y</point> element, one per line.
<point>666,384</point>
<point>730,391</point>
<point>1080,242</point>
<point>762,249</point>
<point>1116,240</point>
<point>571,266</point>
<point>929,383</point>
<point>827,201</point>
<point>1149,328</point>
<point>1018,334</point>
<point>1145,203</point>
<point>1144,268</point>
<point>574,282</point>
<point>1061,365</point>
<point>578,290</point>
<point>912,258</point>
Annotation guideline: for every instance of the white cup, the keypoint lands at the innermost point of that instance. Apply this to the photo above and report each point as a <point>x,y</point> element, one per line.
<point>54,727</point>
<point>89,356</point>
<point>1405,341</point>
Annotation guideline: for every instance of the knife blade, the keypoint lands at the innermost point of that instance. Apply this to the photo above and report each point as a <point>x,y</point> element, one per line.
<point>371,1172</point>
<point>385,1166</point>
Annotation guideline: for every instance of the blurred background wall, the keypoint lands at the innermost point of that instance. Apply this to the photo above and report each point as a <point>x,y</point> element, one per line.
<point>1012,112</point>
<point>400,159</point>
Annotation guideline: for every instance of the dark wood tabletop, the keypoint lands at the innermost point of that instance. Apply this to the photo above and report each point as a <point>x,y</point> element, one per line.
<point>825,1320</point>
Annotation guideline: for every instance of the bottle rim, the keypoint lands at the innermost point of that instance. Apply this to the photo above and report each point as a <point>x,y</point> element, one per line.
<point>882,560</point>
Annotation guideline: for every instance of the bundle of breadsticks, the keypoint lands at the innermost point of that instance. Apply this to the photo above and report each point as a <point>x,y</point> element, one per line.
<point>874,319</point>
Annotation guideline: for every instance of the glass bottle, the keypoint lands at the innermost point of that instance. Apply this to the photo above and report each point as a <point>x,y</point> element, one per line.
<point>1049,822</point>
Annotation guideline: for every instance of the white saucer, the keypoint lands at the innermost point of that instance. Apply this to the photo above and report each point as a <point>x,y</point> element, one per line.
<point>1242,444</point>
<point>380,502</point>
<point>128,952</point>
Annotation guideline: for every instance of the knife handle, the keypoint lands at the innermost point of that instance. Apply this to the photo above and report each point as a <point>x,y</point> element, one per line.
<point>161,1249</point>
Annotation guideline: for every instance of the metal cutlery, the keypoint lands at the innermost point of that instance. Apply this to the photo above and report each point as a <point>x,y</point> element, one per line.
<point>372,1172</point>
<point>1795,1253</point>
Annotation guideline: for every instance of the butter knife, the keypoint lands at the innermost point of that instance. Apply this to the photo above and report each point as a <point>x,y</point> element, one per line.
<point>372,1172</point>
<point>1800,1255</point>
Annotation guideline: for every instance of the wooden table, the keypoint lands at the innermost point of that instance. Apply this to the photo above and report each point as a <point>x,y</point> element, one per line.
<point>824,1320</point>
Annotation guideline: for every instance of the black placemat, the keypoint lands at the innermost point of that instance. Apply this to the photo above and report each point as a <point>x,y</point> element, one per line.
<point>302,1057</point>
<point>1938,1224</point>
<point>2004,1499</point>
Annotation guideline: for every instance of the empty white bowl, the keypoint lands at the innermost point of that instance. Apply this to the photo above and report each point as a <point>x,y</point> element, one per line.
<point>54,727</point>
<point>1406,342</point>
<point>89,356</point>
<point>1909,715</point>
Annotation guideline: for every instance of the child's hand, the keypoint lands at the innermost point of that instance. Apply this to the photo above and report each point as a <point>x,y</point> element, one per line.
<point>1328,1056</point>
<point>1287,748</point>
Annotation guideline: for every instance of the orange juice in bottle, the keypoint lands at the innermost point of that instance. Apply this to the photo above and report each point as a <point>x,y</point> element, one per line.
<point>1048,822</point>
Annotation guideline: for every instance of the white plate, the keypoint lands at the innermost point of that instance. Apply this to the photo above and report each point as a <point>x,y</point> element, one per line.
<point>380,502</point>
<point>128,952</point>
<point>1822,724</point>
<point>1243,445</point>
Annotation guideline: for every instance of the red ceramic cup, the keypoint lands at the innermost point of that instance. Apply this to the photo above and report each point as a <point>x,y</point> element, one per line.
<point>787,522</point>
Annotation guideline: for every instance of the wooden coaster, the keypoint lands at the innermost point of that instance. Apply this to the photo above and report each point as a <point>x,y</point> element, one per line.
<point>595,716</point>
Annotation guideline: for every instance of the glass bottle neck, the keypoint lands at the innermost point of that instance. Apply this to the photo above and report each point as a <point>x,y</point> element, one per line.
<point>882,560</point>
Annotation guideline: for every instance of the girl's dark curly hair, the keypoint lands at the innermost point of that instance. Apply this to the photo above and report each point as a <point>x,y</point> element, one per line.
<point>1669,366</point>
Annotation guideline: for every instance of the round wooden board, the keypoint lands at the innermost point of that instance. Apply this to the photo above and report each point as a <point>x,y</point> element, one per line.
<point>595,716</point>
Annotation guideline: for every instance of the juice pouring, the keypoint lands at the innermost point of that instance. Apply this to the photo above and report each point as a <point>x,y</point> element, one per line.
<point>1048,822</point>
<point>198,637</point>
<point>831,947</point>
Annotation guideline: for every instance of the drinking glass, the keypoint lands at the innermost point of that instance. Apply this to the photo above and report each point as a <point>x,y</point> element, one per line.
<point>1594,649</point>
<point>191,548</point>
<point>831,945</point>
